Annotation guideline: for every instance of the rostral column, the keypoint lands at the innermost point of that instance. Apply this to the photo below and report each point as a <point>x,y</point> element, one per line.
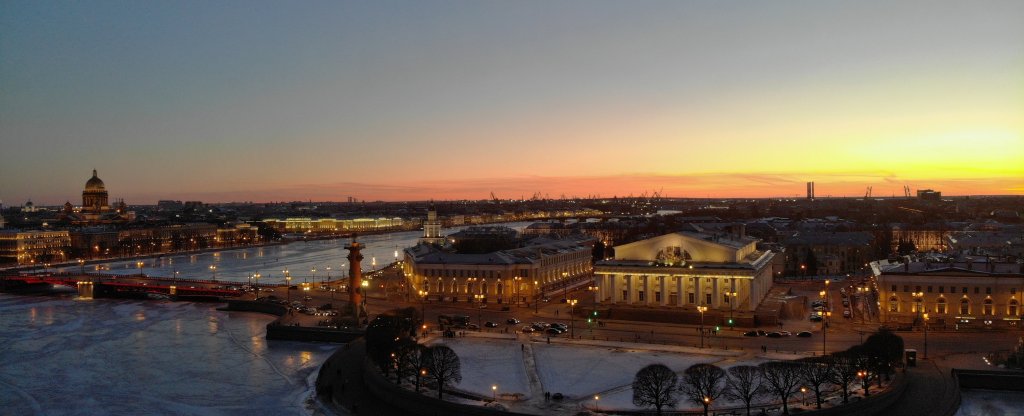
<point>355,276</point>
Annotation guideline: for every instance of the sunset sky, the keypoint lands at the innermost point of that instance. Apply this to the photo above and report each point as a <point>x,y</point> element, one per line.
<point>382,100</point>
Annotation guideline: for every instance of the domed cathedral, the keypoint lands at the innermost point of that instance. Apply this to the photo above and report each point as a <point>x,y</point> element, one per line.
<point>94,197</point>
<point>96,207</point>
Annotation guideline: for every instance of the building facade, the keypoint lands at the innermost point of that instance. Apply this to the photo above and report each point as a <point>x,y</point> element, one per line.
<point>972,294</point>
<point>686,269</point>
<point>514,275</point>
<point>34,247</point>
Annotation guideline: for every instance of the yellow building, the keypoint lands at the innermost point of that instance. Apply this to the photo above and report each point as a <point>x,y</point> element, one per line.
<point>34,247</point>
<point>968,293</point>
<point>686,269</point>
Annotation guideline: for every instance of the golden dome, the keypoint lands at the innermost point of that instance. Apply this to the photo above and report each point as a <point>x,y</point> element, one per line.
<point>94,183</point>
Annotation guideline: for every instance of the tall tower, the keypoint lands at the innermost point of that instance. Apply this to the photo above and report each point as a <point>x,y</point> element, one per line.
<point>355,277</point>
<point>810,190</point>
<point>432,228</point>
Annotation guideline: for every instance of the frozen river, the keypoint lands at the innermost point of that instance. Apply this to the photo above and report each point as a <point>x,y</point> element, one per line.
<point>299,258</point>
<point>65,356</point>
<point>62,356</point>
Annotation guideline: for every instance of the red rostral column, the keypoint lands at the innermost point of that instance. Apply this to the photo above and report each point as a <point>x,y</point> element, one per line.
<point>355,276</point>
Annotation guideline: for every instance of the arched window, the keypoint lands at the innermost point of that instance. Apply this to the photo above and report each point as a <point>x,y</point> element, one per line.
<point>440,285</point>
<point>987,310</point>
<point>940,306</point>
<point>426,285</point>
<point>501,289</point>
<point>894,304</point>
<point>1013,307</point>
<point>453,288</point>
<point>965,306</point>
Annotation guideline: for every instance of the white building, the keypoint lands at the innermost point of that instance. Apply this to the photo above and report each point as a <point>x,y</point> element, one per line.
<point>686,269</point>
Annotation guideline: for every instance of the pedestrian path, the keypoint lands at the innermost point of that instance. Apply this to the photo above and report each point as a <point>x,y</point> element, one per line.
<point>930,391</point>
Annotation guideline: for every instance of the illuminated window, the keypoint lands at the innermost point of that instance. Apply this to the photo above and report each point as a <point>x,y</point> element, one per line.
<point>940,306</point>
<point>987,310</point>
<point>894,304</point>
<point>1013,307</point>
<point>965,307</point>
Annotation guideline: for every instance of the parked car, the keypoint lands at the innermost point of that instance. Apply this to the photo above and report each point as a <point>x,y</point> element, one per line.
<point>846,313</point>
<point>774,335</point>
<point>554,331</point>
<point>490,324</point>
<point>815,318</point>
<point>560,325</point>
<point>785,333</point>
<point>511,321</point>
<point>761,333</point>
<point>527,329</point>
<point>818,302</point>
<point>803,334</point>
<point>473,327</point>
<point>750,334</point>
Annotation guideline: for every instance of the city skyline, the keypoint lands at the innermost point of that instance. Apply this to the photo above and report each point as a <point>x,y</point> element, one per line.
<point>450,100</point>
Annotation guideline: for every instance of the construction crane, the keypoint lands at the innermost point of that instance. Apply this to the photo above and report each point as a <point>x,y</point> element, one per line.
<point>867,194</point>
<point>906,191</point>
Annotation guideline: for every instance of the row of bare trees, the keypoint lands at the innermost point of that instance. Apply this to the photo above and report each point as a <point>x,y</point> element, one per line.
<point>390,345</point>
<point>658,386</point>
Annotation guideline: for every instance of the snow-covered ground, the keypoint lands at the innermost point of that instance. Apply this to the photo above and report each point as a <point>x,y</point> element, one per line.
<point>990,403</point>
<point>487,363</point>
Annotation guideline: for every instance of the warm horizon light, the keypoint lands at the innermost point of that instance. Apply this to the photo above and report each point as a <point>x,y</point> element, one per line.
<point>256,101</point>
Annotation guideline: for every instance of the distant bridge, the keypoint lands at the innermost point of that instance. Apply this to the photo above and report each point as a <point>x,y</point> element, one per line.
<point>124,286</point>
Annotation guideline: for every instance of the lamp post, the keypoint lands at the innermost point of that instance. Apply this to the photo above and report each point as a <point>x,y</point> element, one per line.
<point>572,318</point>
<point>287,286</point>
<point>925,316</point>
<point>919,298</point>
<point>732,296</point>
<point>517,281</point>
<point>213,271</point>
<point>81,266</point>
<point>702,309</point>
<point>494,391</point>
<point>565,285</point>
<point>257,276</point>
<point>596,399</point>
<point>423,305</point>
<point>314,275</point>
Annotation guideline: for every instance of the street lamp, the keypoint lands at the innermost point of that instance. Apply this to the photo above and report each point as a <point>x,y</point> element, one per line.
<point>423,305</point>
<point>287,286</point>
<point>925,316</point>
<point>732,296</point>
<point>494,391</point>
<point>257,277</point>
<point>565,285</point>
<point>314,275</point>
<point>919,298</point>
<point>572,318</point>
<point>702,309</point>
<point>213,270</point>
<point>518,295</point>
<point>596,398</point>
<point>139,264</point>
<point>81,266</point>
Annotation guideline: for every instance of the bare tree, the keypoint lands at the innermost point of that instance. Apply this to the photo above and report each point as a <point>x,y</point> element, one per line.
<point>703,384</point>
<point>410,359</point>
<point>443,366</point>
<point>816,374</point>
<point>844,373</point>
<point>783,379</point>
<point>655,385</point>
<point>744,384</point>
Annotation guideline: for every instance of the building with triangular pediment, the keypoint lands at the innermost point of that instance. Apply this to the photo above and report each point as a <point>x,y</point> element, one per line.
<point>724,273</point>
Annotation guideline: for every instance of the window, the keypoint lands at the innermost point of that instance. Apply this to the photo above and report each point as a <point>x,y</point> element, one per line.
<point>965,306</point>
<point>942,289</point>
<point>988,291</point>
<point>1013,291</point>
<point>1013,307</point>
<point>987,310</point>
<point>625,295</point>
<point>964,289</point>
<point>692,297</point>
<point>917,289</point>
<point>906,288</point>
<point>977,290</point>
<point>929,289</point>
<point>894,304</point>
<point>640,295</point>
<point>893,288</point>
<point>657,296</point>
<point>708,298</point>
<point>940,306</point>
<point>726,299</point>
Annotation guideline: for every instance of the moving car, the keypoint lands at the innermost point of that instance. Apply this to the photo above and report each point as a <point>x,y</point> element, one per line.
<point>774,335</point>
<point>750,334</point>
<point>554,331</point>
<point>527,329</point>
<point>511,321</point>
<point>490,324</point>
<point>803,334</point>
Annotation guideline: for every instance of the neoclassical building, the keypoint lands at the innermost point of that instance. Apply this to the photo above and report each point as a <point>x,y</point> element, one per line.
<point>966,293</point>
<point>686,269</point>
<point>513,275</point>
